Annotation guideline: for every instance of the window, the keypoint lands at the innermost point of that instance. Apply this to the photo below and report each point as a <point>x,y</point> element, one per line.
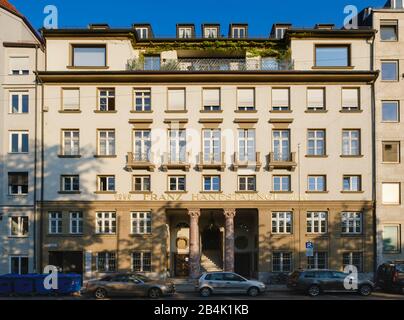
<point>211,145</point>
<point>246,145</point>
<point>389,30</point>
<point>141,222</point>
<point>17,183</point>
<point>142,100</point>
<point>282,262</point>
<point>19,264</point>
<point>106,223</point>
<point>106,262</point>
<point>397,4</point>
<point>210,33</point>
<point>318,261</point>
<point>70,183</point>
<point>316,222</point>
<point>391,239</point>
<point>19,102</point>
<point>106,100</point>
<point>391,151</point>
<point>281,183</point>
<point>351,142</point>
<point>389,70</point>
<point>19,66</point>
<point>185,33</point>
<point>390,111</point>
<point>282,222</point>
<point>353,259</point>
<point>89,56</point>
<point>391,193</point>
<point>246,183</point>
<point>350,99</point>
<point>239,32</point>
<point>19,226</point>
<point>106,183</point>
<point>76,222</point>
<point>19,142</point>
<point>317,184</point>
<point>211,183</point>
<point>316,99</point>
<point>71,99</point>
<point>106,142</point>
<point>141,183</point>
<point>332,56</point>
<point>281,145</point>
<point>71,142</point>
<point>55,223</point>
<point>246,99</point>
<point>142,145</point>
<point>280,99</point>
<point>176,99</point>
<point>178,145</point>
<point>280,33</point>
<point>316,142</point>
<point>211,99</point>
<point>351,222</point>
<point>142,33</point>
<point>352,183</point>
<point>176,183</point>
<point>141,261</point>
<point>152,63</point>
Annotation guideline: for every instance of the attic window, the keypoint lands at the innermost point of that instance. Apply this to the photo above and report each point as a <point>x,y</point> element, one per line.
<point>280,33</point>
<point>142,33</point>
<point>239,32</point>
<point>185,32</point>
<point>89,55</point>
<point>210,32</point>
<point>332,56</point>
<point>397,4</point>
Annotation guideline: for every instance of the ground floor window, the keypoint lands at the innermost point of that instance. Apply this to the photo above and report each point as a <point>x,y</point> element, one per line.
<point>141,261</point>
<point>106,262</point>
<point>19,264</point>
<point>353,258</point>
<point>282,262</point>
<point>319,260</point>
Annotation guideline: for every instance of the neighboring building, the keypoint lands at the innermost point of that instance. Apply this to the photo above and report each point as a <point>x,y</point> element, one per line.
<point>389,99</point>
<point>169,158</point>
<point>21,54</point>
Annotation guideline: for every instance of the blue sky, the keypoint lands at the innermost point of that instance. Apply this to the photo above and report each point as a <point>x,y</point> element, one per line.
<point>163,15</point>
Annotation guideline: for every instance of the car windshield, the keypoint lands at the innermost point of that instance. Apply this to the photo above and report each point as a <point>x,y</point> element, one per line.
<point>142,278</point>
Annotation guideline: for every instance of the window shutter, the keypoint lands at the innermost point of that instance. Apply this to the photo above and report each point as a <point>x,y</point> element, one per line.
<point>350,98</point>
<point>176,99</point>
<point>19,63</point>
<point>245,97</point>
<point>315,98</point>
<point>211,97</point>
<point>280,97</point>
<point>391,193</point>
<point>71,99</point>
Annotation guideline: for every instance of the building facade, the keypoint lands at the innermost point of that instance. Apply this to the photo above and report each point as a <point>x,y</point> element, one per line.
<point>172,156</point>
<point>21,54</point>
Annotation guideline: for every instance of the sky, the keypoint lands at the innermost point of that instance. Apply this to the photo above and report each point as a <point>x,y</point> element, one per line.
<point>163,15</point>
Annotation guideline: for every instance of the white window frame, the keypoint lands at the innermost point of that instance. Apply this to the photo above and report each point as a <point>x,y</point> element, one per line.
<point>141,222</point>
<point>177,144</point>
<point>20,189</point>
<point>20,95</point>
<point>76,216</point>
<point>396,62</point>
<point>397,103</point>
<point>395,6</point>
<point>71,178</point>
<point>105,220</point>
<point>55,222</point>
<point>315,260</point>
<point>282,259</point>
<point>316,139</point>
<point>19,257</point>
<point>210,32</point>
<point>142,94</point>
<point>142,183</point>
<point>316,218</point>
<point>142,261</point>
<point>21,220</point>
<point>281,178</point>
<point>107,182</point>
<point>211,183</point>
<point>316,183</point>
<point>73,142</point>
<point>174,180</point>
<point>398,238</point>
<point>238,35</point>
<point>350,139</point>
<point>185,32</point>
<point>108,140</point>
<point>248,181</point>
<point>351,177</point>
<point>109,94</point>
<point>212,145</point>
<point>351,257</point>
<point>109,256</point>
<point>20,135</point>
<point>279,222</point>
<point>351,220</point>
<point>142,32</point>
<point>246,145</point>
<point>142,144</point>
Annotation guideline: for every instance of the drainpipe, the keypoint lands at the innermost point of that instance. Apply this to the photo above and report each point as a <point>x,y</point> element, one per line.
<point>42,177</point>
<point>35,166</point>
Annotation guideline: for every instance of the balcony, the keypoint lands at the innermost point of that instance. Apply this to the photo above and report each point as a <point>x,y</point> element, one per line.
<point>137,161</point>
<point>175,163</point>
<point>282,161</point>
<point>204,65</point>
<point>211,162</point>
<point>256,163</point>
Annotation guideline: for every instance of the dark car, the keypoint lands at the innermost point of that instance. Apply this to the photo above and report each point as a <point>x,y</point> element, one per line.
<point>315,282</point>
<point>127,284</point>
<point>390,276</point>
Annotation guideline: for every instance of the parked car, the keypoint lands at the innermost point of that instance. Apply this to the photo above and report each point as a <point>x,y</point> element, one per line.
<point>315,282</point>
<point>127,284</point>
<point>390,276</point>
<point>228,283</point>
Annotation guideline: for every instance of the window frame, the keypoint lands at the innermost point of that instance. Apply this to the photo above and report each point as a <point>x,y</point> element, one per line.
<point>316,109</point>
<point>176,183</point>
<point>386,24</point>
<point>399,194</point>
<point>351,109</point>
<point>110,256</point>
<point>316,141</point>
<point>79,219</point>
<point>246,183</point>
<point>282,259</point>
<point>107,139</point>
<point>322,229</point>
<point>398,143</point>
<point>316,177</point>
<point>101,217</point>
<point>107,178</point>
<point>72,142</point>
<point>169,107</point>
<point>19,257</point>
<point>21,95</point>
<point>20,136</point>
<point>315,258</point>
<point>72,182</point>
<point>22,222</point>
<point>251,108</point>
<point>20,187</point>
<point>397,103</point>
<point>55,222</point>
<point>110,93</point>
<point>136,227</point>
<point>21,72</point>
<point>74,46</point>
<point>350,153</point>
<point>211,177</point>
<point>397,69</point>
<point>145,93</point>
<point>350,177</point>
<point>322,45</point>
<point>276,225</point>
<point>211,108</point>
<point>281,177</point>
<point>351,219</point>
<point>398,238</point>
<point>351,259</point>
<point>280,108</point>
<point>142,261</point>
<point>142,182</point>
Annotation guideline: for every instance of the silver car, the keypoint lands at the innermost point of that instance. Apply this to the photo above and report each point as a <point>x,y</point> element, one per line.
<point>128,285</point>
<point>228,283</point>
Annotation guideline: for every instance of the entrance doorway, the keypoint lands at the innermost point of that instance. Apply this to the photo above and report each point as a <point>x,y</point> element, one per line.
<point>242,264</point>
<point>212,239</point>
<point>181,265</point>
<point>67,261</point>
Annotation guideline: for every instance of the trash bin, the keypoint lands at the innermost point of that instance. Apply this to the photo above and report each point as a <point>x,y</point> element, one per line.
<point>6,285</point>
<point>39,285</point>
<point>68,284</point>
<point>23,284</point>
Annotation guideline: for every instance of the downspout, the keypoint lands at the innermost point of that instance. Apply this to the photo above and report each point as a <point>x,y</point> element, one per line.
<point>35,165</point>
<point>42,177</point>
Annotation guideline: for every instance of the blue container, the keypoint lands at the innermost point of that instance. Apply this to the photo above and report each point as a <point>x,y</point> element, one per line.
<point>68,283</point>
<point>6,285</point>
<point>23,284</point>
<point>39,285</point>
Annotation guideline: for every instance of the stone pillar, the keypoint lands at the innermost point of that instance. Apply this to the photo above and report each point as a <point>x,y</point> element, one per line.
<point>229,240</point>
<point>194,251</point>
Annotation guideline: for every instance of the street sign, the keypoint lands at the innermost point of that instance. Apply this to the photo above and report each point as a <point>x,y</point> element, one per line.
<point>309,249</point>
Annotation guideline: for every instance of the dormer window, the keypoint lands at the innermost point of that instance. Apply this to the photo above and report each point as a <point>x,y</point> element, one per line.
<point>185,33</point>
<point>210,32</point>
<point>280,33</point>
<point>142,33</point>
<point>397,4</point>
<point>239,32</point>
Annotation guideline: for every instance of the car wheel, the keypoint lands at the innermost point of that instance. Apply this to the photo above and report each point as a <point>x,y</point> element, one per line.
<point>314,291</point>
<point>100,293</point>
<point>253,292</point>
<point>365,290</point>
<point>154,293</point>
<point>205,292</point>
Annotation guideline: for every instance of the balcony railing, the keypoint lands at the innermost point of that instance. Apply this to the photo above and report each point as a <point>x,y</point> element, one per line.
<point>200,65</point>
<point>282,161</point>
<point>211,161</point>
<point>176,162</point>
<point>245,163</point>
<point>140,161</point>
